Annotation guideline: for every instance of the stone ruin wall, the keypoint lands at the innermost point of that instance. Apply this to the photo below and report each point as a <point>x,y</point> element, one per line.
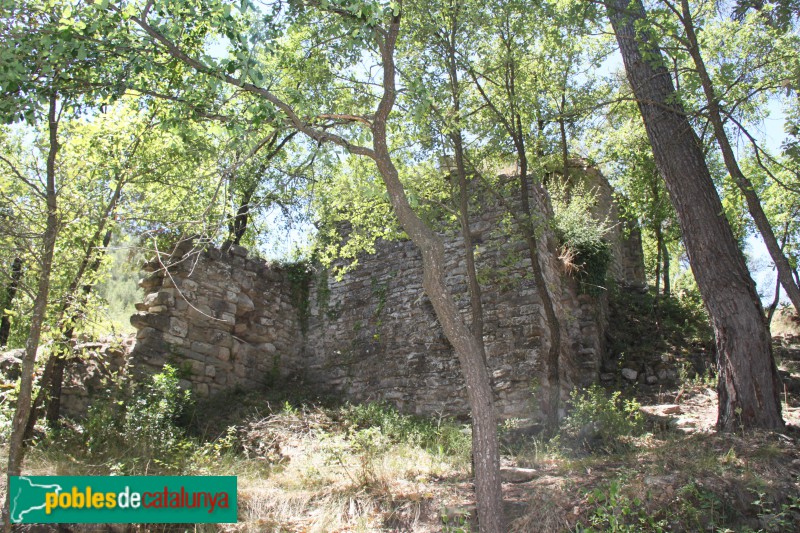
<point>226,320</point>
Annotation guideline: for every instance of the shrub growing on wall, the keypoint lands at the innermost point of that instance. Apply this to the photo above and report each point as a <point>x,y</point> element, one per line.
<point>585,252</point>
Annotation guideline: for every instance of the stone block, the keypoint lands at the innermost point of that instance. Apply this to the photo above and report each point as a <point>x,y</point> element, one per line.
<point>630,374</point>
<point>211,371</point>
<point>203,348</point>
<point>197,368</point>
<point>178,327</point>
<point>244,304</point>
<point>224,354</point>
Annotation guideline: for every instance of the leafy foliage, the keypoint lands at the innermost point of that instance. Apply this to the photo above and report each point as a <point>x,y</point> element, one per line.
<point>601,421</point>
<point>582,236</point>
<point>139,427</point>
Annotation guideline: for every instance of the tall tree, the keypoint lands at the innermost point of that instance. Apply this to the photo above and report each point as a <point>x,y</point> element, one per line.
<point>375,25</point>
<point>715,116</point>
<point>22,412</point>
<point>748,379</point>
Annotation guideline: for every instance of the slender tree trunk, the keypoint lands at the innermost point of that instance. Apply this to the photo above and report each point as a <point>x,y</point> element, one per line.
<point>62,356</point>
<point>774,305</point>
<point>745,185</point>
<point>777,300</point>
<point>665,272</point>
<point>53,373</point>
<point>11,293</point>
<point>476,305</point>
<point>476,376</point>
<point>16,448</point>
<point>457,138</point>
<point>488,488</point>
<point>748,379</point>
<point>562,126</point>
<point>239,224</point>
<point>553,399</point>
<point>525,224</point>
<point>659,244</point>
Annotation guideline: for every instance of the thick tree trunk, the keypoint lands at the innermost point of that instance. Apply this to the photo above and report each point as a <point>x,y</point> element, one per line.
<point>11,293</point>
<point>745,185</point>
<point>748,379</point>
<point>16,450</point>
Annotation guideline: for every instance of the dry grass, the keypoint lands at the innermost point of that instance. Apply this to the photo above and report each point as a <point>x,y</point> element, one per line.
<point>313,470</point>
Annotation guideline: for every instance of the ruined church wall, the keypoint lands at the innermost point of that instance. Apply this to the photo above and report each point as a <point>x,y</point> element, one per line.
<point>222,319</point>
<point>373,334</point>
<point>226,320</point>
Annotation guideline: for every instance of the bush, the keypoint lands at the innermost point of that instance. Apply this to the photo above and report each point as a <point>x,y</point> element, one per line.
<point>444,436</point>
<point>584,250</point>
<point>599,421</point>
<point>139,426</point>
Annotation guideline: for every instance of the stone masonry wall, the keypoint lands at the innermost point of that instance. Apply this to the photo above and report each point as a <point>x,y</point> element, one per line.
<point>373,335</point>
<point>223,319</point>
<point>228,321</point>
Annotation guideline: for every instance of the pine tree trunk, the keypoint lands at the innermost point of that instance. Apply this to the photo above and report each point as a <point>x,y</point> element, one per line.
<point>748,379</point>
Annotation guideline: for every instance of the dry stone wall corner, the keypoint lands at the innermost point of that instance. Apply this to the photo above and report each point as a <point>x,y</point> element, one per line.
<point>224,320</point>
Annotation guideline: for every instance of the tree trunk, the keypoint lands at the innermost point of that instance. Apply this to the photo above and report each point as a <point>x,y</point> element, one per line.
<point>16,449</point>
<point>774,305</point>
<point>61,357</point>
<point>748,380</point>
<point>659,243</point>
<point>665,271</point>
<point>515,130</point>
<point>53,373</point>
<point>476,377</point>
<point>239,224</point>
<point>488,488</point>
<point>11,293</point>
<point>553,395</point>
<point>745,185</point>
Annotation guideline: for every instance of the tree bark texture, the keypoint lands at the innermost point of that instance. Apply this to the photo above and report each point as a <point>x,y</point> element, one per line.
<point>16,450</point>
<point>748,380</point>
<point>743,182</point>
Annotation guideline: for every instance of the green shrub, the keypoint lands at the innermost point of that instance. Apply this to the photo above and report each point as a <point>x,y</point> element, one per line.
<point>138,427</point>
<point>601,421</point>
<point>443,436</point>
<point>615,511</point>
<point>584,249</point>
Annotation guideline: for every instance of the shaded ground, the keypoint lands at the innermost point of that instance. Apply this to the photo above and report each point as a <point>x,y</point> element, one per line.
<point>308,468</point>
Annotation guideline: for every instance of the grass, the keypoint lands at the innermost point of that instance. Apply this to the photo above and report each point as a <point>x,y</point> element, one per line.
<point>313,465</point>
